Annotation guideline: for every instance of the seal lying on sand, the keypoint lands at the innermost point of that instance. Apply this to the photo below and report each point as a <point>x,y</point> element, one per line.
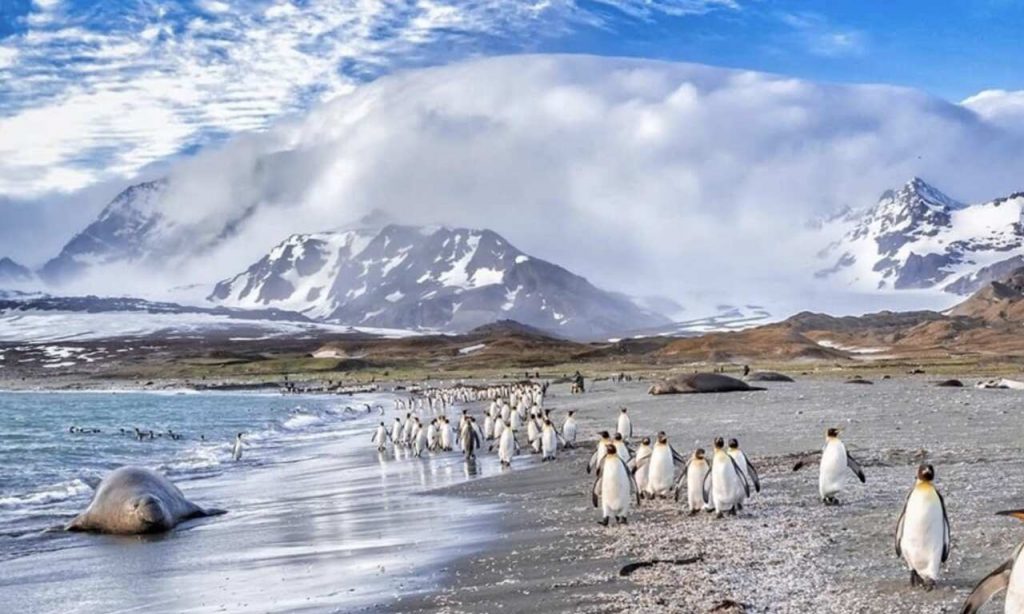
<point>1004,384</point>
<point>133,500</point>
<point>769,376</point>
<point>694,383</point>
<point>950,383</point>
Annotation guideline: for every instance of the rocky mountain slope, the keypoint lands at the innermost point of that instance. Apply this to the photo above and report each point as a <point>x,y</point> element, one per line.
<point>916,237</point>
<point>437,278</point>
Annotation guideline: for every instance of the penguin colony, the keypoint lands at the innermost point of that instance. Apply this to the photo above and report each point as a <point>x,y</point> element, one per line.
<point>720,483</point>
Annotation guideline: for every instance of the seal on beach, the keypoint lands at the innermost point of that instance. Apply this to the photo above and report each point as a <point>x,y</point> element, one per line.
<point>950,383</point>
<point>696,383</point>
<point>922,531</point>
<point>133,500</point>
<point>835,460</point>
<point>769,376</point>
<point>1009,577</point>
<point>1001,384</point>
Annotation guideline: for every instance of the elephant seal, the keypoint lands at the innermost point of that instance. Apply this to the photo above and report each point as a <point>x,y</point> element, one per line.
<point>133,500</point>
<point>696,383</point>
<point>859,380</point>
<point>950,383</point>
<point>769,376</point>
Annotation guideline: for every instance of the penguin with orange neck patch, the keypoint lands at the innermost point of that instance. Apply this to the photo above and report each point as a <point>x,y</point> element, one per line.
<point>922,531</point>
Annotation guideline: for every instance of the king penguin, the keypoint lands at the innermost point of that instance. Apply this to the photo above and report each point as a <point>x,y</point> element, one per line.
<point>614,487</point>
<point>625,426</point>
<point>569,430</point>
<point>835,460</point>
<point>697,470</point>
<point>725,486</point>
<point>1009,577</point>
<point>922,531</point>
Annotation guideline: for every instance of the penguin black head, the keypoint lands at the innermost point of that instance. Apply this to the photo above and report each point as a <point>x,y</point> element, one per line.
<point>604,435</point>
<point>833,432</point>
<point>926,473</point>
<point>646,441</point>
<point>610,449</point>
<point>719,443</point>
<point>699,453</point>
<point>662,437</point>
<point>572,412</point>
<point>239,434</point>
<point>733,444</point>
<point>623,410</point>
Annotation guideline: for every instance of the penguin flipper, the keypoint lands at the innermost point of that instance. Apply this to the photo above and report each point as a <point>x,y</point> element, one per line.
<point>592,464</point>
<point>676,456</point>
<point>805,460</point>
<point>991,584</point>
<point>743,478</point>
<point>753,475</point>
<point>706,486</point>
<point>899,528</point>
<point>594,490</point>
<point>632,482</point>
<point>679,482</point>
<point>945,527</point>
<point>855,468</point>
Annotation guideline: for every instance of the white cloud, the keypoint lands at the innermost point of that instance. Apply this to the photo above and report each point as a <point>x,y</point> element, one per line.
<point>110,91</point>
<point>999,106</point>
<point>653,178</point>
<point>819,36</point>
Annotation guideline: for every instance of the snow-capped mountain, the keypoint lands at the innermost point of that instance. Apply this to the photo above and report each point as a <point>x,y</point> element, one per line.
<point>917,237</point>
<point>448,279</point>
<point>121,232</point>
<point>13,273</point>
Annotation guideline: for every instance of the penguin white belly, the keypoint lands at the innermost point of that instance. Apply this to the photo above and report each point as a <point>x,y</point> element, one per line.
<point>643,471</point>
<point>623,428</point>
<point>726,490</point>
<point>506,446</point>
<point>1015,588</point>
<point>549,443</point>
<point>615,489</point>
<point>833,469</point>
<point>659,478</point>
<point>922,537</point>
<point>741,462</point>
<point>695,475</point>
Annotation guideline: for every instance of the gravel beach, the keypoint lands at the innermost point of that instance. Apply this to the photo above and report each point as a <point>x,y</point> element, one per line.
<point>785,552</point>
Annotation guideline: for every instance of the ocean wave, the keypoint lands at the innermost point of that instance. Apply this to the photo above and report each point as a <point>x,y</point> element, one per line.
<point>51,494</point>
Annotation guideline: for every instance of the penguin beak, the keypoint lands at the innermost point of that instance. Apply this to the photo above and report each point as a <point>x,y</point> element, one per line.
<point>1018,514</point>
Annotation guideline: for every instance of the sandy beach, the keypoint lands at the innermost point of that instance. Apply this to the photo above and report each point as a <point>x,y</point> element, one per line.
<point>786,552</point>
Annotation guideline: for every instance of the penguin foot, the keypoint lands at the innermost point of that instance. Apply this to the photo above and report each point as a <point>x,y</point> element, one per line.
<point>625,520</point>
<point>719,515</point>
<point>914,578</point>
<point>739,507</point>
<point>603,522</point>
<point>732,512</point>
<point>693,512</point>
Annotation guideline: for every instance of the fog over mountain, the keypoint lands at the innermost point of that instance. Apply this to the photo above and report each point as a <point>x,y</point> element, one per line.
<point>650,178</point>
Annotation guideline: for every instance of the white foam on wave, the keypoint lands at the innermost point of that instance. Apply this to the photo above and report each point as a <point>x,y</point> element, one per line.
<point>51,494</point>
<point>297,422</point>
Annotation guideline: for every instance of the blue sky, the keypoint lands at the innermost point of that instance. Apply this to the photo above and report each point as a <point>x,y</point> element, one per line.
<point>94,91</point>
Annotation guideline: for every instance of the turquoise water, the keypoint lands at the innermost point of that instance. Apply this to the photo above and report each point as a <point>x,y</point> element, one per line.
<point>45,469</point>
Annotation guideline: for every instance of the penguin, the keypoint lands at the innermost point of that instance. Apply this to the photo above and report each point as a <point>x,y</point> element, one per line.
<point>469,439</point>
<point>625,426</point>
<point>1009,577</point>
<point>697,470</point>
<point>835,459</point>
<point>236,452</point>
<point>639,463</point>
<point>396,432</point>
<point>419,438</point>
<point>499,426</point>
<point>489,426</point>
<point>533,435</point>
<point>662,462</point>
<point>507,446</point>
<point>407,430</point>
<point>744,464</point>
<point>725,486</point>
<point>549,441</point>
<point>445,429</point>
<point>614,487</point>
<point>381,437</point>
<point>922,531</point>
<point>598,455</point>
<point>622,448</point>
<point>433,440</point>
<point>569,429</point>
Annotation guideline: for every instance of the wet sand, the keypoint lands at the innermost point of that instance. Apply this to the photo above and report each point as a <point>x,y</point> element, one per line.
<point>327,527</point>
<point>786,552</point>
